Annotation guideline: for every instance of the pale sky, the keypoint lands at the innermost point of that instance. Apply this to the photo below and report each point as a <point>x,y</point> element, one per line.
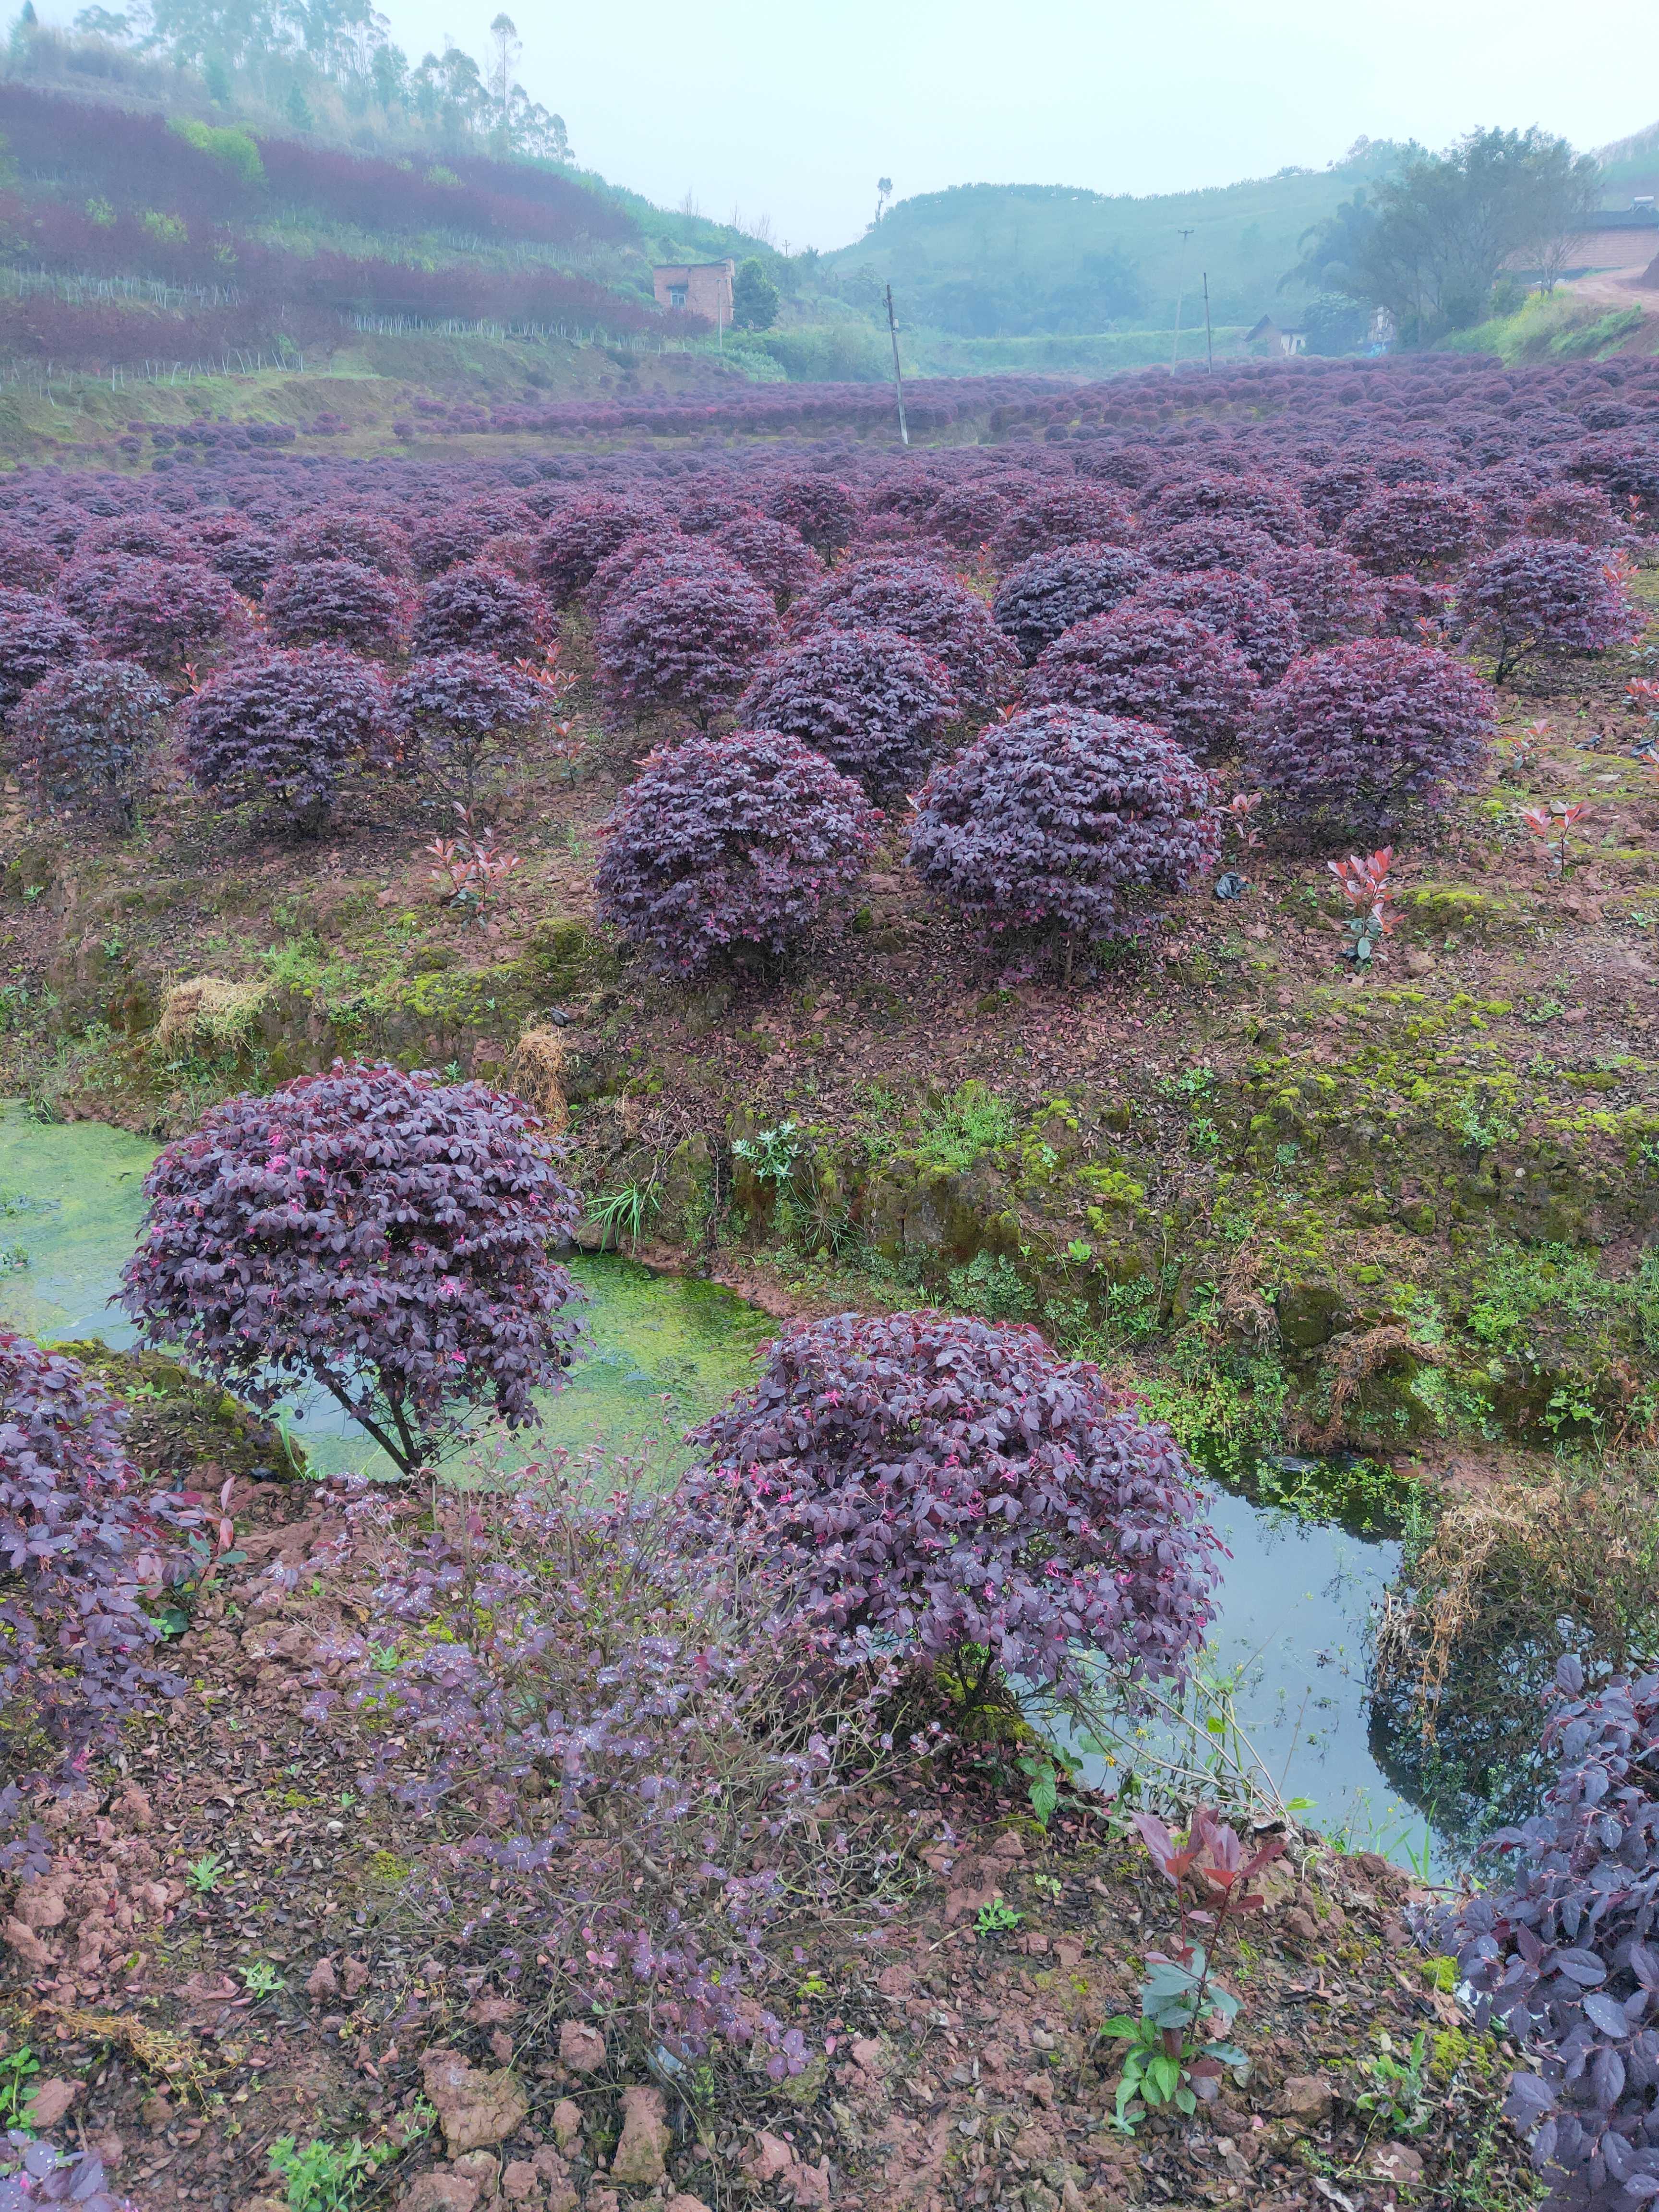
<point>792,108</point>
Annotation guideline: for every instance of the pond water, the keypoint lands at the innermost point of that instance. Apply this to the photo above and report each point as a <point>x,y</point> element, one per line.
<point>1298,1597</point>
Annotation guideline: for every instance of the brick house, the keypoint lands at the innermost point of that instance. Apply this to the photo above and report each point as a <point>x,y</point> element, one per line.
<point>700,287</point>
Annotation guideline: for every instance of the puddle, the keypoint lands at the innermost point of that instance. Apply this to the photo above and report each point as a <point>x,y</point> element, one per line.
<point>1297,1597</point>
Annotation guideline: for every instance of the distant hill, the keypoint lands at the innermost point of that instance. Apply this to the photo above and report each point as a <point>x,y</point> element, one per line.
<point>1004,260</point>
<point>1631,165</point>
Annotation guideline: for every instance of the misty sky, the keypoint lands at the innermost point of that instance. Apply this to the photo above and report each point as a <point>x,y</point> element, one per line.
<point>792,108</point>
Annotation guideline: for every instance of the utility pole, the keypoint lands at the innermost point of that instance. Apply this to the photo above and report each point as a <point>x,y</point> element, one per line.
<point>1209,350</point>
<point>898,378</point>
<point>1180,284</point>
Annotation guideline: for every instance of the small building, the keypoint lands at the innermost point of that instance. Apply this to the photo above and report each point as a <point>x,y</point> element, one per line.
<point>1286,338</point>
<point>696,288</point>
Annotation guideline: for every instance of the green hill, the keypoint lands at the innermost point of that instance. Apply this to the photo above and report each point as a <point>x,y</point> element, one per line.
<point>982,261</point>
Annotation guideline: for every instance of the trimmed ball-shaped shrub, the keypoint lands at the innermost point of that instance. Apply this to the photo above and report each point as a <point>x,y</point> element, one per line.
<point>952,1484</point>
<point>821,507</point>
<point>378,1235</point>
<point>1059,820</point>
<point>876,706</point>
<point>164,613</point>
<point>81,1544</point>
<point>1074,513</point>
<point>1252,499</point>
<point>1046,594</point>
<point>35,637</point>
<point>689,643</point>
<point>1361,736</point>
<point>28,563</point>
<point>245,557</point>
<point>458,712</point>
<point>1333,598</point>
<point>149,537</point>
<point>924,604</point>
<point>1549,595</point>
<point>1334,491</point>
<point>652,557</point>
<point>1149,665</point>
<point>966,516</point>
<point>475,609</point>
<point>368,541</point>
<point>336,603</point>
<point>726,842</point>
<point>1241,609</point>
<point>1208,541</point>
<point>1580,511</point>
<point>289,727</point>
<point>449,540</point>
<point>580,534</point>
<point>1413,529</point>
<point>85,735</point>
<point>773,553</point>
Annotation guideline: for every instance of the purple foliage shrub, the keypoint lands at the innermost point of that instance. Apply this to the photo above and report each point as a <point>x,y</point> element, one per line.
<point>1255,501</point>
<point>1361,736</point>
<point>1241,609</point>
<point>923,603</point>
<point>1550,595</point>
<point>1209,542</point>
<point>876,706</point>
<point>1059,819</point>
<point>689,643</point>
<point>579,536</point>
<point>164,613</point>
<point>290,725</point>
<point>1073,513</point>
<point>1149,665</point>
<point>379,1235</point>
<point>458,712</point>
<point>1562,1954</point>
<point>81,1545</point>
<point>472,608</point>
<point>45,2175</point>
<point>774,553</point>
<point>247,557</point>
<point>1333,597</point>
<point>966,516</point>
<point>1415,529</point>
<point>448,540</point>
<point>820,507</point>
<point>1046,594</point>
<point>367,541</point>
<point>728,841</point>
<point>149,537</point>
<point>1579,511</point>
<point>85,736</point>
<point>336,603</point>
<point>28,563</point>
<point>652,557</point>
<point>950,1483</point>
<point>35,637</point>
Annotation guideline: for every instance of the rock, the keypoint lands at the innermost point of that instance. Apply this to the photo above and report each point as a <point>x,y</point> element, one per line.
<point>870,2052</point>
<point>554,2174</point>
<point>322,1981</point>
<point>134,1803</point>
<point>440,2192</point>
<point>1304,2096</point>
<point>25,1943</point>
<point>49,2102</point>
<point>520,2182</point>
<point>261,2204</point>
<point>1299,1923</point>
<point>354,1974</point>
<point>39,1903</point>
<point>581,2046</point>
<point>809,2184</point>
<point>110,2148</point>
<point>567,2124</point>
<point>501,2045</point>
<point>493,2011</point>
<point>601,2200</point>
<point>1399,2163</point>
<point>1419,963</point>
<point>682,2202</point>
<point>641,2155</point>
<point>895,1981</point>
<point>475,2108</point>
<point>771,2157</point>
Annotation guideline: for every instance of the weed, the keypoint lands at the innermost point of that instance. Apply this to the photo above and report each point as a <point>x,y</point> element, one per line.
<point>997,1920</point>
<point>773,1153</point>
<point>261,1979</point>
<point>991,1286</point>
<point>1398,2090</point>
<point>971,1121</point>
<point>202,1874</point>
<point>17,2070</point>
<point>325,2177</point>
<point>624,1212</point>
